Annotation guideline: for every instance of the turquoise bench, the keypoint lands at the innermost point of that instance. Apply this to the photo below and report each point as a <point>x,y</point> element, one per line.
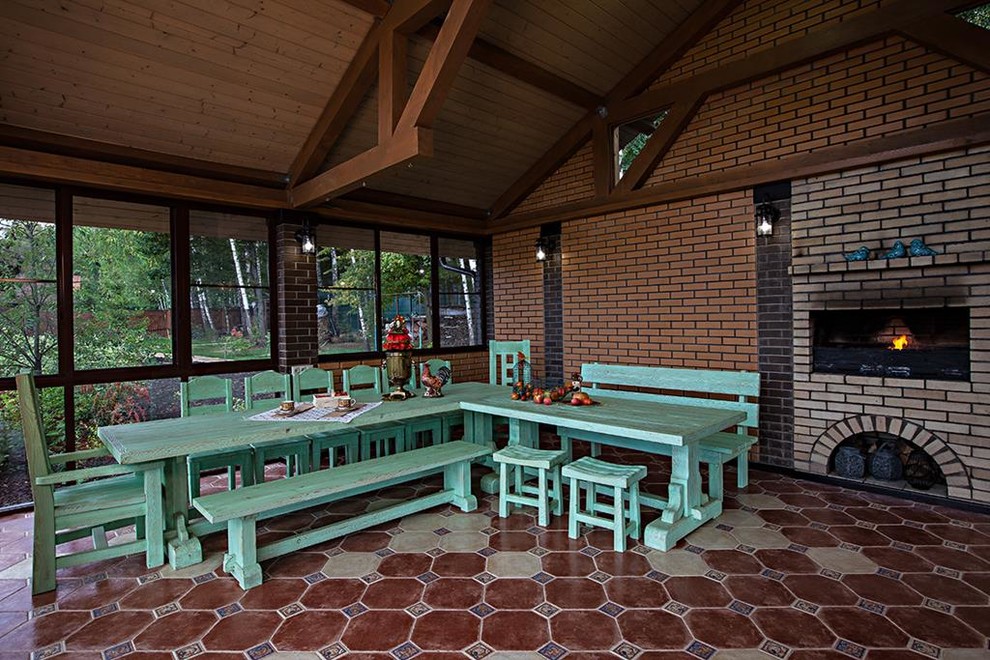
<point>240,509</point>
<point>715,450</point>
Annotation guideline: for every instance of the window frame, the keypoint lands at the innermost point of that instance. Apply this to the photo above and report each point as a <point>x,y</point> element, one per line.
<point>67,376</point>
<point>435,321</point>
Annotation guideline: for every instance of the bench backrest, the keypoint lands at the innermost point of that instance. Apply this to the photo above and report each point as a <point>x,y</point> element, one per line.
<point>742,385</point>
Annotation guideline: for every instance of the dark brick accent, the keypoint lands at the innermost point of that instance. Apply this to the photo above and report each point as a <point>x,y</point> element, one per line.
<point>487,260</point>
<point>297,341</point>
<point>553,307</point>
<point>775,331</point>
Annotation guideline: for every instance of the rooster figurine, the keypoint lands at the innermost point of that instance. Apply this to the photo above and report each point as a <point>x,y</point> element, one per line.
<point>434,384</point>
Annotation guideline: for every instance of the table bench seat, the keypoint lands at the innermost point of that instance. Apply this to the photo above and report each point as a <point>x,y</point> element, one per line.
<point>715,449</point>
<point>241,508</point>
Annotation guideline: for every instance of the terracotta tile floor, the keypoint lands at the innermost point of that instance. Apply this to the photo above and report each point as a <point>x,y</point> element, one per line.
<point>792,569</point>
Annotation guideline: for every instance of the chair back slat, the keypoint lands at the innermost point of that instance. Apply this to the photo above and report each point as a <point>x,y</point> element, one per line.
<point>363,375</point>
<point>206,388</point>
<point>261,386</point>
<point>502,358</point>
<point>33,430</point>
<point>310,381</point>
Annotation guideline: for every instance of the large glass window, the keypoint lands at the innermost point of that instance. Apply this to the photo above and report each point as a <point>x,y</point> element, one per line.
<point>345,272</point>
<point>406,283</point>
<point>351,275</point>
<point>28,325</point>
<point>229,289</point>
<point>122,284</point>
<point>460,293</point>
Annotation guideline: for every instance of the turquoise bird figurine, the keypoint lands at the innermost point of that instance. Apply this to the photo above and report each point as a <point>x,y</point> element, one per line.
<point>919,249</point>
<point>896,251</point>
<point>862,254</point>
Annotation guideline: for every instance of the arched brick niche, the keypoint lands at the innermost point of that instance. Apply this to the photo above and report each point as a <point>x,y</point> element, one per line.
<point>952,467</point>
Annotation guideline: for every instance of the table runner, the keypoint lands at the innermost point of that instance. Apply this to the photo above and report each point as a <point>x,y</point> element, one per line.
<point>316,414</point>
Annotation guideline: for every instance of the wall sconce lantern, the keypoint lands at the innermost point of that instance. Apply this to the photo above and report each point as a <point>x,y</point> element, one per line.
<point>766,215</point>
<point>307,238</point>
<point>541,250</point>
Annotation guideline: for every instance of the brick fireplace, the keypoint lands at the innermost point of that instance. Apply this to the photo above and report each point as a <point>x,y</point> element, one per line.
<point>944,200</point>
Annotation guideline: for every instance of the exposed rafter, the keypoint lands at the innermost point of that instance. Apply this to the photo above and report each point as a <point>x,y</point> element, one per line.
<point>699,23</point>
<point>947,136</point>
<point>66,145</point>
<point>55,168</point>
<point>523,70</point>
<point>377,8</point>
<point>687,96</point>
<point>954,37</point>
<point>402,139</point>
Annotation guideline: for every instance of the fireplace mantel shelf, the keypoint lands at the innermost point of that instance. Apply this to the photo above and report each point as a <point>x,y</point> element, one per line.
<point>884,264</point>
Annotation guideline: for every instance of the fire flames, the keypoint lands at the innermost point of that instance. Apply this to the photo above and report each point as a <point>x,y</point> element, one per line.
<point>900,343</point>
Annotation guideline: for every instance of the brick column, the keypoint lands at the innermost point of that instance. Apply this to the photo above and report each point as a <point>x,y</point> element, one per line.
<point>297,339</point>
<point>775,331</point>
<point>553,307</point>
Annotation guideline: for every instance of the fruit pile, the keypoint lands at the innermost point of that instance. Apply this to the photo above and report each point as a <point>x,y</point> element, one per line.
<point>398,338</point>
<point>549,396</point>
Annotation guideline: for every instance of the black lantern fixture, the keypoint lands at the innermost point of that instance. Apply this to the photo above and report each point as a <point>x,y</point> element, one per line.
<point>307,238</point>
<point>541,249</point>
<point>766,215</point>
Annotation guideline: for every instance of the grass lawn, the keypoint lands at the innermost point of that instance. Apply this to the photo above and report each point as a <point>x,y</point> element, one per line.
<point>223,351</point>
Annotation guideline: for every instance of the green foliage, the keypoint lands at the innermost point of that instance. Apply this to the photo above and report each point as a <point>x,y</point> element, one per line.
<point>106,405</point>
<point>27,308</point>
<point>631,150</point>
<point>52,414</point>
<point>978,16</point>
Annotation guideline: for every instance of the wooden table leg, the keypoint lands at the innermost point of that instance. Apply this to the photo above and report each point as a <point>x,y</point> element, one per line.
<point>686,508</point>
<point>183,548</point>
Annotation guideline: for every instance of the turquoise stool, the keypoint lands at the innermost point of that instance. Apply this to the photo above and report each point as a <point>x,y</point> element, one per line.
<point>219,391</point>
<point>590,473</point>
<point>516,459</point>
<point>332,443</point>
<point>295,452</point>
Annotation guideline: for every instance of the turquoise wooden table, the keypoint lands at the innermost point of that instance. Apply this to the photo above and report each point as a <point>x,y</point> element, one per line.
<point>638,425</point>
<point>172,440</point>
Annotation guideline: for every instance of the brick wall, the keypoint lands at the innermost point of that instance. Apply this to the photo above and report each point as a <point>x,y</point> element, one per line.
<point>875,90</point>
<point>945,200</point>
<point>670,285</point>
<point>572,182</point>
<point>517,283</point>
<point>297,342</point>
<point>759,25</point>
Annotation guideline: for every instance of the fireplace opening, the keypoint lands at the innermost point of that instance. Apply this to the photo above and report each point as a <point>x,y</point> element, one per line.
<point>897,343</point>
<point>886,460</point>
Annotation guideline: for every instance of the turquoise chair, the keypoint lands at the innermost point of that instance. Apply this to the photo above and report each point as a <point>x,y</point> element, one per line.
<point>129,494</point>
<point>502,358</point>
<point>311,380</point>
<point>382,439</point>
<point>361,377</point>
<point>295,452</point>
<point>338,446</point>
<point>205,395</point>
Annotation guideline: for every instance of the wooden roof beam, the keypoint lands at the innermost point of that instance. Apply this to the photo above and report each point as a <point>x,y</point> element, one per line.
<point>449,51</point>
<point>377,8</point>
<point>22,163</point>
<point>954,37</point>
<point>699,23</point>
<point>404,16</point>
<point>404,145</point>
<point>523,70</point>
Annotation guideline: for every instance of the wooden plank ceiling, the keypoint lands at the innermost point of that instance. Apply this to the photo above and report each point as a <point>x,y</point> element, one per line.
<point>241,83</point>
